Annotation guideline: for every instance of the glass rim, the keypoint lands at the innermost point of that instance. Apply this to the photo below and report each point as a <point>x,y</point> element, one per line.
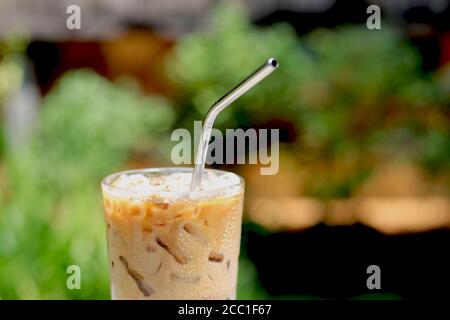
<point>109,179</point>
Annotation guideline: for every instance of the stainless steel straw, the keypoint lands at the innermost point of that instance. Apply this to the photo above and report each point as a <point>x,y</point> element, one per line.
<point>259,74</point>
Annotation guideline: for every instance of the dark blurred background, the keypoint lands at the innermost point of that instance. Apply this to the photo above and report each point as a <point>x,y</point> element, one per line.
<point>364,119</point>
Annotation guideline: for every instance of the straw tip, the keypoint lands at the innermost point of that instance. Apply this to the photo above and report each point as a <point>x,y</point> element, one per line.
<point>273,62</point>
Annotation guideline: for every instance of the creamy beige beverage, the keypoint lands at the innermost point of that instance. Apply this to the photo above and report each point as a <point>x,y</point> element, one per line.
<point>167,243</point>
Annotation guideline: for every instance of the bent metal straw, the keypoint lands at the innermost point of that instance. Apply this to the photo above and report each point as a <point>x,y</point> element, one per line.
<point>259,74</point>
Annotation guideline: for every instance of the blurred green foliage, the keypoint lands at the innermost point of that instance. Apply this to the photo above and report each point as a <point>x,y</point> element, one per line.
<point>367,84</point>
<point>51,214</point>
<point>207,64</point>
<point>353,97</point>
<point>99,142</point>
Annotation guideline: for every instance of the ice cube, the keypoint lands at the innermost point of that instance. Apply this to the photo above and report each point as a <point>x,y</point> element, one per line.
<point>122,181</point>
<point>228,179</point>
<point>135,181</point>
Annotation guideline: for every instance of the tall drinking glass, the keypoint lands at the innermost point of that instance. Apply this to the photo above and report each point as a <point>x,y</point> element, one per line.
<point>165,242</point>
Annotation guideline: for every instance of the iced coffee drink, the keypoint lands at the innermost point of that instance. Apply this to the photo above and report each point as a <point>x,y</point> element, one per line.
<point>165,242</point>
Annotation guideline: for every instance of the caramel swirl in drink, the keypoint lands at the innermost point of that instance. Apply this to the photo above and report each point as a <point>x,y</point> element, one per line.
<point>165,242</point>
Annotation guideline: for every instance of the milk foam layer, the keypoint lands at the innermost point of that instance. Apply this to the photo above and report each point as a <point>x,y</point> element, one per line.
<point>174,185</point>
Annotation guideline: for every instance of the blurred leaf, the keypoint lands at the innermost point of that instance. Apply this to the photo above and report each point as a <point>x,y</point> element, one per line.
<point>208,64</point>
<point>52,217</point>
